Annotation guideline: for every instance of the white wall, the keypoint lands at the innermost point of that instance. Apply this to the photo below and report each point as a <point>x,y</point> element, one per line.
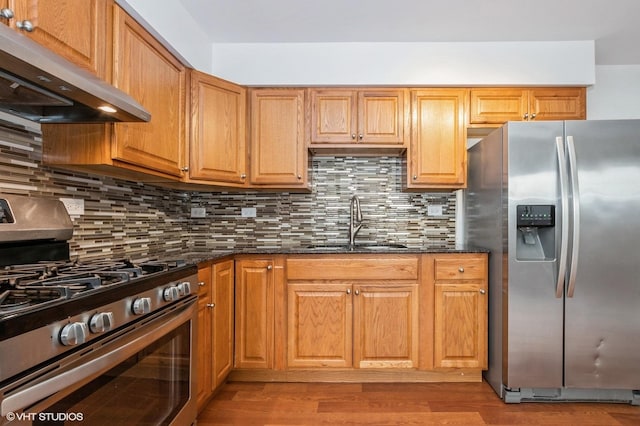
<point>170,21</point>
<point>447,64</point>
<point>616,93</point>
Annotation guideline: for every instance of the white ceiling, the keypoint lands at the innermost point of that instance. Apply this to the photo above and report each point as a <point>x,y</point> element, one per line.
<point>613,24</point>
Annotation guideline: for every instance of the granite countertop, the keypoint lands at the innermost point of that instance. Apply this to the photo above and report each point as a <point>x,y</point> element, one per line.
<point>204,256</point>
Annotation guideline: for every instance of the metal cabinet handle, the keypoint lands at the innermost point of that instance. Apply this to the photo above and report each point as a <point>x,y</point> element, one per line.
<point>357,292</point>
<point>526,116</point>
<point>211,305</point>
<point>461,269</point>
<point>415,177</point>
<point>483,291</point>
<point>6,13</point>
<point>348,291</point>
<point>25,25</point>
<point>269,267</point>
<point>299,177</point>
<point>201,284</point>
<point>533,116</point>
<point>184,169</point>
<point>353,136</point>
<point>360,136</point>
<point>243,176</point>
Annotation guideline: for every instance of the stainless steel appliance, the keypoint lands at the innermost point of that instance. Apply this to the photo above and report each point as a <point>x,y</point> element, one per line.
<point>41,86</point>
<point>556,203</point>
<point>104,342</point>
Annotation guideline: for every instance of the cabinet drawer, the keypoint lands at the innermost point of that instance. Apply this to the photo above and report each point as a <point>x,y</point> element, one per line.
<point>460,269</point>
<point>348,267</point>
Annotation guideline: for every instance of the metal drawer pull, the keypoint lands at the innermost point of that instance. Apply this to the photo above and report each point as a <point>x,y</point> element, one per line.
<point>461,269</point>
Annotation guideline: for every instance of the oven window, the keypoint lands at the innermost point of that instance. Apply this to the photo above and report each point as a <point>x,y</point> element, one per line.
<point>149,388</point>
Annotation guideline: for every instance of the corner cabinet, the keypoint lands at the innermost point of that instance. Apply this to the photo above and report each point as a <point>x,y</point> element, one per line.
<point>437,154</point>
<point>492,107</point>
<point>460,310</point>
<point>77,30</point>
<point>214,344</point>
<point>278,152</point>
<point>218,142</point>
<point>148,152</point>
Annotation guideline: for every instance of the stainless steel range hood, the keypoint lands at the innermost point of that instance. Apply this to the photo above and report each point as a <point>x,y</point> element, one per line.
<point>41,86</point>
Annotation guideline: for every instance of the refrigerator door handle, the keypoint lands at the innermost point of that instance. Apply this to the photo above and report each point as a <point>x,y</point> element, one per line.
<point>575,198</point>
<point>564,199</point>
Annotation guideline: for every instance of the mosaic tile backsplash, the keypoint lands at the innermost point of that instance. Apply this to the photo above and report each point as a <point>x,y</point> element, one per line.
<point>138,221</point>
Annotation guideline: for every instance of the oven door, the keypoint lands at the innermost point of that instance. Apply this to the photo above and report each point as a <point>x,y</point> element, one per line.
<point>141,375</point>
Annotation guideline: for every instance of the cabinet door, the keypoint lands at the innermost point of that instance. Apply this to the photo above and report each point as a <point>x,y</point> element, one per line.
<point>385,326</point>
<point>497,106</point>
<point>557,104</point>
<point>460,326</point>
<point>278,150</point>
<point>223,299</point>
<point>381,117</point>
<point>74,29</point>
<point>319,325</point>
<point>203,338</point>
<point>333,116</point>
<point>437,152</point>
<point>254,313</point>
<point>145,70</point>
<point>218,141</point>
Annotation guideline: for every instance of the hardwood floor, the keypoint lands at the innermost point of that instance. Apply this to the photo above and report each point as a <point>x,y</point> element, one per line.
<point>395,404</point>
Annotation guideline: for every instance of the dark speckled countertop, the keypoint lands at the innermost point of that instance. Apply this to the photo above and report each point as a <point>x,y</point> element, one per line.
<point>198,257</point>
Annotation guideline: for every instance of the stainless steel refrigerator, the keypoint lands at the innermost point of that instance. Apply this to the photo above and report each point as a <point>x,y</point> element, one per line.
<point>558,205</point>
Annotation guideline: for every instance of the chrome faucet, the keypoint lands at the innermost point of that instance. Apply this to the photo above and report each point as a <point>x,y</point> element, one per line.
<point>355,219</point>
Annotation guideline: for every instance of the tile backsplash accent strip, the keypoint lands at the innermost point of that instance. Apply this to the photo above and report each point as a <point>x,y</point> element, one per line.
<point>138,221</point>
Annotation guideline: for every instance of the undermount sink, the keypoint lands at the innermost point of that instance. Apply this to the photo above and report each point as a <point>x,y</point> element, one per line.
<point>372,247</point>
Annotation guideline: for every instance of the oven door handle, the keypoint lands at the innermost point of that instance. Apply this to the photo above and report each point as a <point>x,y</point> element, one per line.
<point>84,373</point>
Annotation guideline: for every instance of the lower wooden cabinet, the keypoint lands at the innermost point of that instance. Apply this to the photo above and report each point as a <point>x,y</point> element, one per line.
<point>255,285</point>
<point>214,343</point>
<point>460,311</point>
<point>368,320</point>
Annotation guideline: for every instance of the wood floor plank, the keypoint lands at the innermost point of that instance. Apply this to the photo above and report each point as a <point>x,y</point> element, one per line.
<point>271,404</point>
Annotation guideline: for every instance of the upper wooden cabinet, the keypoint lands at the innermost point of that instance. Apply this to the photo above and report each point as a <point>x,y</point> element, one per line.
<point>437,153</point>
<point>152,151</point>
<point>218,130</point>
<point>279,157</point>
<point>77,30</point>
<point>148,72</point>
<point>371,118</point>
<point>494,107</point>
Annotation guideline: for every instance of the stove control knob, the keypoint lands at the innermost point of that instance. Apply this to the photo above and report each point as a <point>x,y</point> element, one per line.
<point>73,334</point>
<point>184,288</point>
<point>101,322</point>
<point>141,306</point>
<point>170,294</point>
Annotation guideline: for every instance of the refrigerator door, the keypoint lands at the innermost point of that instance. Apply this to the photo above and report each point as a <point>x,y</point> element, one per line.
<point>602,328</point>
<point>533,312</point>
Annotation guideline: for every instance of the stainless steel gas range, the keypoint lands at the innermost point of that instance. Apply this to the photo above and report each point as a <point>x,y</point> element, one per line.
<point>102,342</point>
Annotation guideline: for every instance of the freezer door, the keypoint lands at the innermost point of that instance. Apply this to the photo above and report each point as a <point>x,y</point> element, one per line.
<point>533,312</point>
<point>602,305</point>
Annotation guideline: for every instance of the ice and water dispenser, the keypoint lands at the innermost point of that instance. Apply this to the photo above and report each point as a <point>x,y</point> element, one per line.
<point>535,232</point>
